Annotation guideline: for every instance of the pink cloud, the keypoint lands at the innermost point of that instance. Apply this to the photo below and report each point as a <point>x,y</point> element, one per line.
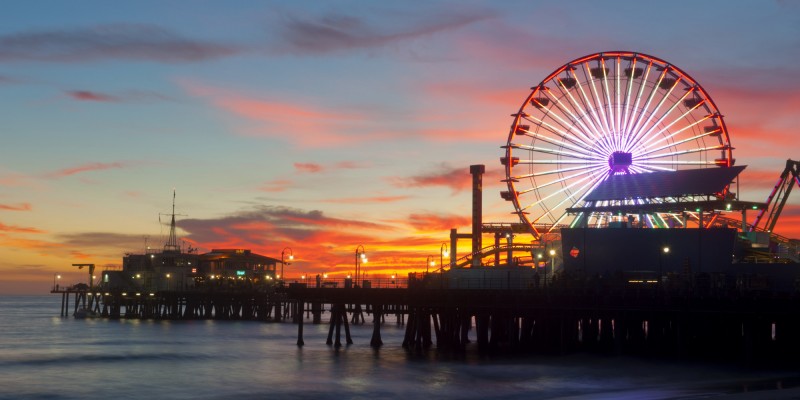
<point>308,167</point>
<point>85,95</point>
<point>84,168</point>
<point>17,207</point>
<point>457,179</point>
<point>301,123</point>
<point>278,185</point>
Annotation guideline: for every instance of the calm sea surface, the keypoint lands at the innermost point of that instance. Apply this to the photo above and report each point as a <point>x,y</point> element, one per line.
<point>44,356</point>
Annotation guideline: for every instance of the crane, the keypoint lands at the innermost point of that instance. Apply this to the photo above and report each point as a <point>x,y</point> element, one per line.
<point>91,272</point>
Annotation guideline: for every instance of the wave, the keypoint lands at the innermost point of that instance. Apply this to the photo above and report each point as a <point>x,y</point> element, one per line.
<point>73,359</point>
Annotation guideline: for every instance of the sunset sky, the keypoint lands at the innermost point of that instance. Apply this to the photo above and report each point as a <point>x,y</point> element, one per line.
<point>321,126</point>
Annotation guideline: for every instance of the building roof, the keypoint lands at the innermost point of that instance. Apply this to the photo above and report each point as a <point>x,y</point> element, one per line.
<point>690,182</point>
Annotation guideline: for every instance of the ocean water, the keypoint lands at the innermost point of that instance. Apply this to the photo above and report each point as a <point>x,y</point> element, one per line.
<point>44,356</point>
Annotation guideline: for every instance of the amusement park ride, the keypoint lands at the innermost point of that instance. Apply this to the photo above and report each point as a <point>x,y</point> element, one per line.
<point>624,140</point>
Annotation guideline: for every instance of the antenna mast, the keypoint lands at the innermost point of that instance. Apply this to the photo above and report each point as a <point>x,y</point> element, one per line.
<point>172,242</point>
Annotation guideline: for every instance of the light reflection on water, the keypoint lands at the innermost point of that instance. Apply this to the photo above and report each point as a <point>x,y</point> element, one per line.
<point>44,356</point>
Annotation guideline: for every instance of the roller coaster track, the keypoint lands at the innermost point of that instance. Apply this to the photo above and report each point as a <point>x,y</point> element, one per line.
<point>490,250</point>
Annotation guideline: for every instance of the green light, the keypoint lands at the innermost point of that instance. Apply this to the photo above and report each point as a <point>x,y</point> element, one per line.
<point>755,207</point>
<point>240,273</point>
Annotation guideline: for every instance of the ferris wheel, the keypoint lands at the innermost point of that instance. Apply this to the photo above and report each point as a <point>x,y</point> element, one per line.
<point>601,115</point>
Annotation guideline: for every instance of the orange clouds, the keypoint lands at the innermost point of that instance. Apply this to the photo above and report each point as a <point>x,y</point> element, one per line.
<point>455,178</point>
<point>376,199</point>
<point>437,223</point>
<point>16,207</point>
<point>278,185</point>
<point>17,229</point>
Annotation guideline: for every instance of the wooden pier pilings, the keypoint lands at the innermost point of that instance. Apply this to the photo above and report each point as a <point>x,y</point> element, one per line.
<point>743,326</point>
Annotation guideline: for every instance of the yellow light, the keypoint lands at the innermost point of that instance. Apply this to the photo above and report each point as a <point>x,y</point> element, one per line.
<point>552,252</point>
<point>168,276</point>
<point>364,256</point>
<point>433,263</point>
<point>291,256</point>
<point>445,253</point>
<point>365,260</point>
<point>325,276</point>
<point>666,249</point>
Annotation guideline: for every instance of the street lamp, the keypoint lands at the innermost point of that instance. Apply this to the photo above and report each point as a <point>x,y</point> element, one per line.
<point>443,253</point>
<point>429,263</point>
<point>552,265</point>
<point>283,261</point>
<point>664,252</point>
<point>55,285</point>
<point>361,258</point>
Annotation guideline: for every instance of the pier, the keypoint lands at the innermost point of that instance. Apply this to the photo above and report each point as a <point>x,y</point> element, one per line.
<point>692,321</point>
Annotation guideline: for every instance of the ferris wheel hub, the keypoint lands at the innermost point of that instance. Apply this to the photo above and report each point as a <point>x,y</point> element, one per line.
<point>619,161</point>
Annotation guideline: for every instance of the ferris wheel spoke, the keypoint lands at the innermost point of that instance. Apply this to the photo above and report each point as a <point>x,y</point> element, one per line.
<point>587,105</point>
<point>681,152</point>
<point>554,142</point>
<point>555,130</point>
<point>628,91</point>
<point>617,105</point>
<point>632,120</point>
<point>585,192</point>
<point>663,100</point>
<point>639,118</point>
<point>581,112</point>
<point>563,179</point>
<point>679,142</point>
<point>681,117</point>
<point>565,123</point>
<point>557,171</point>
<point>563,190</point>
<point>598,102</point>
<point>559,162</point>
<point>608,104</point>
<point>574,118</point>
<point>649,136</point>
<point>546,150</point>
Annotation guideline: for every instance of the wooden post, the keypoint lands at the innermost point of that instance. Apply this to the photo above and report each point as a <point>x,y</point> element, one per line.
<point>376,341</point>
<point>300,341</point>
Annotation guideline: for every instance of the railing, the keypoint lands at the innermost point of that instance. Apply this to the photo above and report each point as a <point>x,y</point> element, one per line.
<point>376,283</point>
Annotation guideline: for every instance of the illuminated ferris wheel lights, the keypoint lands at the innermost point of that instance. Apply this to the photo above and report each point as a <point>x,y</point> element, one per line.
<point>602,115</point>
